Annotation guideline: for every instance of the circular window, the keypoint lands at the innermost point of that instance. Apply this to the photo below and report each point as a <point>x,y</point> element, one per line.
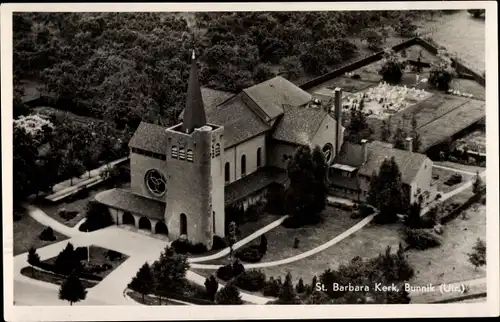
<point>156,183</point>
<point>328,152</point>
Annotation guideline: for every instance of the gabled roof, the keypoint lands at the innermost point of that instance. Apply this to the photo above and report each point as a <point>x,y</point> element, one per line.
<point>299,124</point>
<point>211,98</point>
<point>239,122</point>
<point>409,162</point>
<point>350,154</point>
<point>272,95</point>
<point>149,137</point>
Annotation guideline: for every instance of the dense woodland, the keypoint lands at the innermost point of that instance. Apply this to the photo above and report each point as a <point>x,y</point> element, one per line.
<point>122,68</point>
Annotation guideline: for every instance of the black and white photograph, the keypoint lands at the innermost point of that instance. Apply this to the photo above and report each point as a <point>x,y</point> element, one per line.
<point>312,155</point>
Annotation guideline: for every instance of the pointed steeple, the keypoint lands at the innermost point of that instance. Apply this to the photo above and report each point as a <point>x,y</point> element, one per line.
<point>194,113</point>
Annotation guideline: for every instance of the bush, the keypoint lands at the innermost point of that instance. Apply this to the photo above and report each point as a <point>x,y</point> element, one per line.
<point>97,215</point>
<point>81,253</point>
<point>300,287</point>
<point>47,234</point>
<point>184,246</point>
<point>272,287</point>
<point>113,255</point>
<point>363,211</point>
<point>238,268</point>
<point>392,68</point>
<point>275,200</point>
<point>251,280</point>
<point>67,214</point>
<point>421,238</point>
<point>218,243</point>
<point>441,75</point>
<point>198,248</point>
<point>374,39</point>
<point>225,272</point>
<point>250,254</point>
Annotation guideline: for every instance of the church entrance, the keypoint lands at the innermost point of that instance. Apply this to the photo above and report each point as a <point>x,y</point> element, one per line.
<point>161,228</point>
<point>184,227</point>
<point>144,223</point>
<point>128,219</point>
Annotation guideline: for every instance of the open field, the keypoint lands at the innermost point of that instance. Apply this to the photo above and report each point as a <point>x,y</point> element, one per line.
<point>26,232</point>
<point>474,141</point>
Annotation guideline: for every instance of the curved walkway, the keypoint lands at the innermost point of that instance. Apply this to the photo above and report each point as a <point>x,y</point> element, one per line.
<point>303,255</point>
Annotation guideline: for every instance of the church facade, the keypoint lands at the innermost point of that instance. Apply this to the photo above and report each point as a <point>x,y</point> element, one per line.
<point>225,150</point>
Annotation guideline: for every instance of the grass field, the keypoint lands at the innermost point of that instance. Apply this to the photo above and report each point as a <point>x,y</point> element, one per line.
<point>26,232</point>
<point>444,175</point>
<point>51,278</point>
<point>150,300</point>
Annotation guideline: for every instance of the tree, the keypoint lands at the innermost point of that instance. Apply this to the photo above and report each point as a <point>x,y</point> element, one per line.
<point>306,195</point>
<point>392,66</point>
<point>300,287</point>
<point>374,39</point>
<point>441,73</point>
<point>72,290</point>
<point>228,295</point>
<point>33,259</point>
<point>478,256</point>
<point>291,66</point>
<point>67,261</point>
<point>358,129</point>
<point>386,191</point>
<point>211,286</point>
<point>169,271</point>
<point>231,238</point>
<point>143,281</point>
<point>478,185</point>
<point>263,244</point>
<point>386,133</point>
<point>412,218</point>
<point>399,139</point>
<point>287,293</point>
<point>97,216</point>
<point>476,12</point>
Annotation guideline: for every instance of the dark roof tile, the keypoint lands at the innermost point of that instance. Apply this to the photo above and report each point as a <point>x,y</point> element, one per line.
<point>149,137</point>
<point>128,201</point>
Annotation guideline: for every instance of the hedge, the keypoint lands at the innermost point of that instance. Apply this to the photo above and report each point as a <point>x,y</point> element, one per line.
<point>458,210</point>
<point>249,254</point>
<point>51,268</point>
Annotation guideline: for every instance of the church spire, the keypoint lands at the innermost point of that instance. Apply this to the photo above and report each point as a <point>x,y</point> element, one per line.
<point>194,114</point>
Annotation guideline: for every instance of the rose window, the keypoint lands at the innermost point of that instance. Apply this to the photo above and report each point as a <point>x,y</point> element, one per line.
<point>328,152</point>
<point>156,182</point>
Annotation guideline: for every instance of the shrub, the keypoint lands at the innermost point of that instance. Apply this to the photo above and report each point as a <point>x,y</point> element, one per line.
<point>184,246</point>
<point>374,39</point>
<point>47,234</point>
<point>198,248</point>
<point>218,243</point>
<point>229,294</point>
<point>318,297</point>
<point>81,253</point>
<point>275,200</point>
<point>392,68</point>
<point>296,242</point>
<point>250,254</point>
<point>113,255</point>
<point>441,75</point>
<point>251,280</point>
<point>364,210</point>
<point>67,214</point>
<point>97,215</point>
<point>421,238</point>
<point>272,288</point>
<point>300,287</point>
<point>211,287</point>
<point>225,272</point>
<point>238,268</point>
<point>263,245</point>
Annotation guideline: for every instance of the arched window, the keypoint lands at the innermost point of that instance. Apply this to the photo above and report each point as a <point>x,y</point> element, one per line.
<point>189,156</point>
<point>182,154</point>
<point>175,152</point>
<point>243,165</point>
<point>144,223</point>
<point>184,227</point>
<point>217,149</point>
<point>227,173</point>
<point>259,157</point>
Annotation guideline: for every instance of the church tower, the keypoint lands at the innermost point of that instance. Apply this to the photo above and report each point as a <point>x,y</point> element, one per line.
<point>195,154</point>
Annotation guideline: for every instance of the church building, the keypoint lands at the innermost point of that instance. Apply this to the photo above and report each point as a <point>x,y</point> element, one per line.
<point>224,151</point>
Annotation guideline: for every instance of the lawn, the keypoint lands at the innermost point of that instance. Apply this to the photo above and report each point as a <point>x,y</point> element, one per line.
<point>459,166</point>
<point>250,227</point>
<point>51,277</point>
<point>444,175</point>
<point>367,242</point>
<point>26,232</point>
<point>150,300</point>
<point>75,203</point>
<point>280,240</point>
<point>449,262</point>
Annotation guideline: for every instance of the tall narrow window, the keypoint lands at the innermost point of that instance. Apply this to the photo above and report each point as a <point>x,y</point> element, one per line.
<point>217,149</point>
<point>182,154</point>
<point>243,165</point>
<point>184,229</point>
<point>227,173</point>
<point>213,222</point>
<point>259,157</point>
<point>213,154</point>
<point>189,156</point>
<point>175,152</point>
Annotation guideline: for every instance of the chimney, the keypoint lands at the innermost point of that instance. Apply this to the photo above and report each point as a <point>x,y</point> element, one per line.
<point>409,144</point>
<point>338,118</point>
<point>364,146</point>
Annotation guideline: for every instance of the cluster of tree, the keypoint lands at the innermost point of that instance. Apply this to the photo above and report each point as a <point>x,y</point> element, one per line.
<point>393,65</point>
<point>398,136</point>
<point>57,150</point>
<point>387,193</point>
<point>305,198</point>
<point>441,72</point>
<point>478,255</point>
<point>167,275</point>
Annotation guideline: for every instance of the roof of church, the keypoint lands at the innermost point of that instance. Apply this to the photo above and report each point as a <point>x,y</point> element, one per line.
<point>239,122</point>
<point>252,183</point>
<point>211,98</point>
<point>299,124</point>
<point>128,201</point>
<point>273,94</point>
<point>194,115</point>
<point>149,137</point>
